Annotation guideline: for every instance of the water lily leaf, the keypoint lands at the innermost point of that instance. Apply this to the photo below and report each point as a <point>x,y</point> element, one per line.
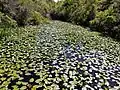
<point>31,80</point>
<point>28,74</point>
<point>2,79</point>
<point>24,83</point>
<point>19,82</point>
<point>23,88</point>
<point>38,81</point>
<point>35,87</point>
<point>15,87</point>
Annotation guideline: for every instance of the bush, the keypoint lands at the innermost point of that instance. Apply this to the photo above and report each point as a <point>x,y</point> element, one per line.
<point>17,12</point>
<point>36,18</point>
<point>22,15</point>
<point>107,17</point>
<point>100,15</point>
<point>6,21</point>
<point>24,11</point>
<point>77,11</point>
<point>104,19</point>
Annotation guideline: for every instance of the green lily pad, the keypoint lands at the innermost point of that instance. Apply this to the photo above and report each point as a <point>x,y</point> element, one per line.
<point>23,88</point>
<point>31,80</point>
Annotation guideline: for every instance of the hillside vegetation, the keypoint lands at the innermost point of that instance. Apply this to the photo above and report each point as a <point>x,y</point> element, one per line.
<point>99,15</point>
<point>24,12</point>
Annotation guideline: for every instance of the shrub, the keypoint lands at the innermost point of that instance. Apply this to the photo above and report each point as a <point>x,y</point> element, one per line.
<point>17,12</point>
<point>100,15</point>
<point>107,17</point>
<point>22,15</point>
<point>24,11</point>
<point>36,18</point>
<point>104,19</point>
<point>77,11</point>
<point>6,21</point>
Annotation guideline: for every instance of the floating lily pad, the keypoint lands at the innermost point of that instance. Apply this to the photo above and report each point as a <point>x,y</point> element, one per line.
<point>31,80</point>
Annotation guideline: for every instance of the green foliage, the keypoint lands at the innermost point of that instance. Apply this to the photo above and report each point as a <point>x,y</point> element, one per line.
<point>77,11</point>
<point>41,6</point>
<point>36,18</point>
<point>107,17</point>
<point>22,39</point>
<point>104,18</point>
<point>4,32</point>
<point>6,21</point>
<point>100,15</point>
<point>22,11</point>
<point>27,62</point>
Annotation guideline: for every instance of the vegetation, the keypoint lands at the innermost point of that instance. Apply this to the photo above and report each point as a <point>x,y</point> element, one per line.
<point>25,12</point>
<point>36,55</point>
<point>18,44</point>
<point>77,11</point>
<point>107,17</point>
<point>6,21</point>
<point>100,15</point>
<point>30,62</point>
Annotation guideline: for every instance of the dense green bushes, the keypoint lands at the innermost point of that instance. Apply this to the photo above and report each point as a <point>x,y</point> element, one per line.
<point>107,17</point>
<point>6,21</point>
<point>15,13</point>
<point>36,18</point>
<point>100,15</point>
<point>25,12</point>
<point>76,11</point>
